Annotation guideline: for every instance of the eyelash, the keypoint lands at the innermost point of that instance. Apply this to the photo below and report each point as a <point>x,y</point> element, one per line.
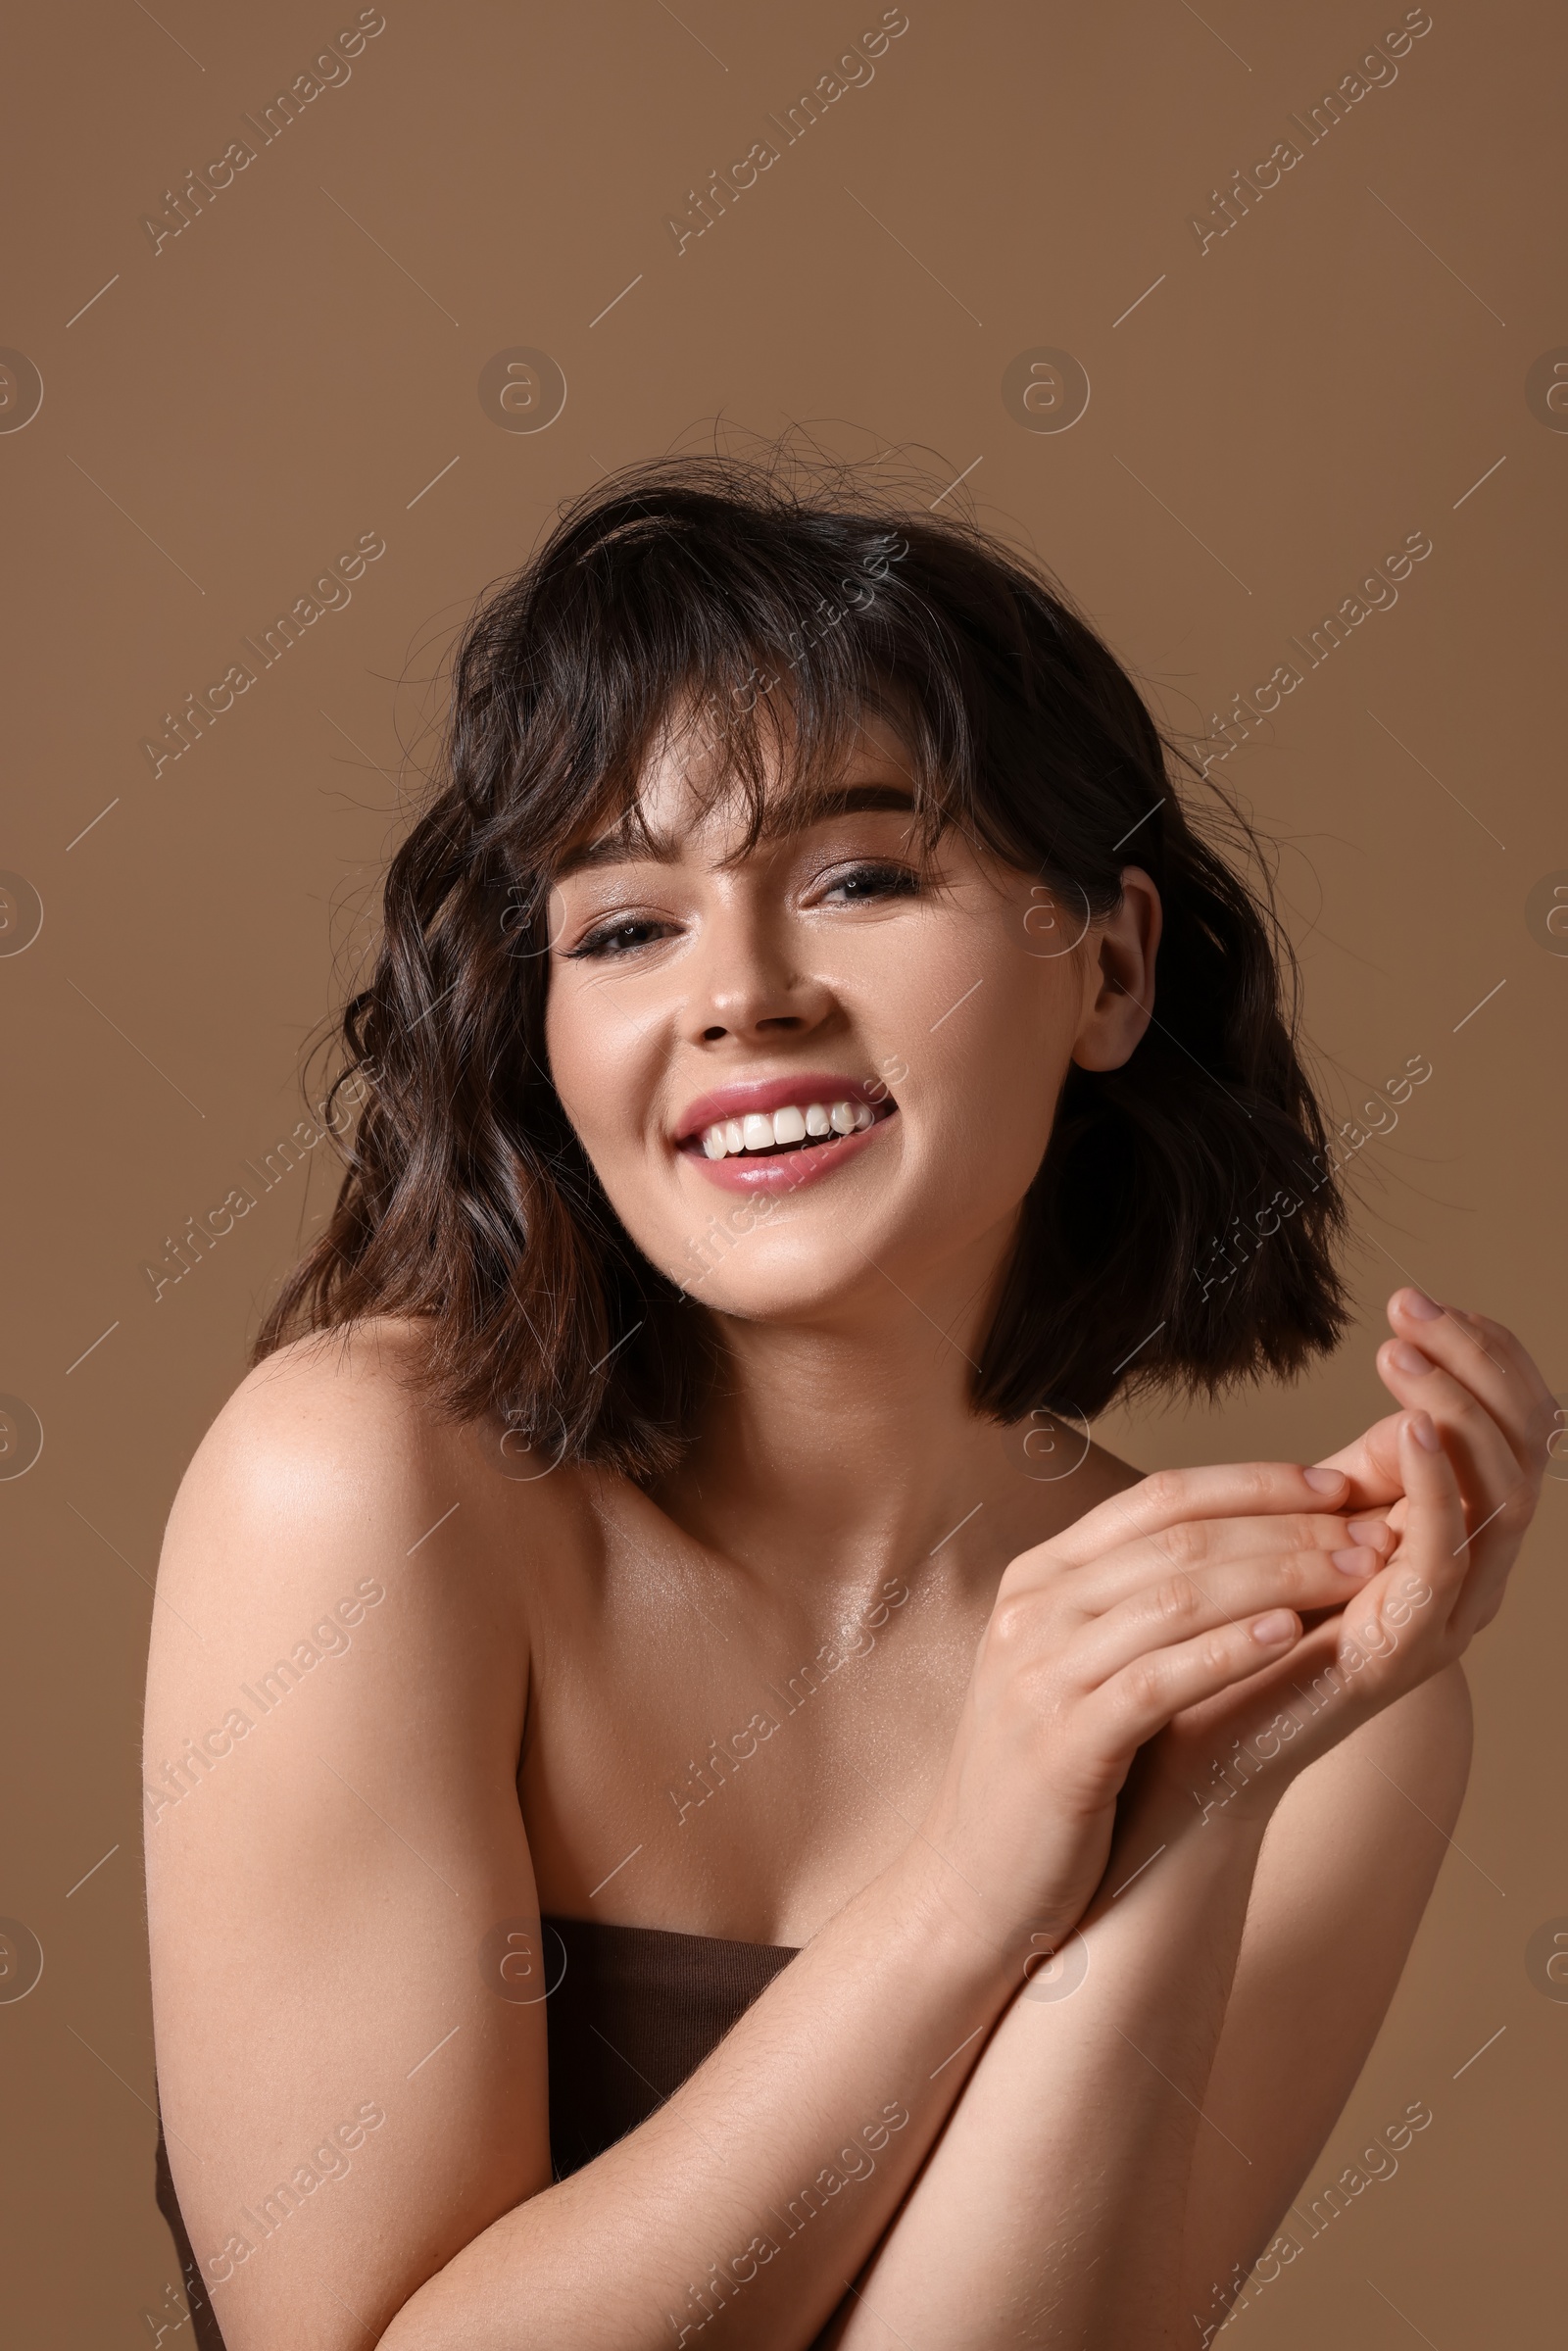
<point>901,881</point>
<point>599,943</point>
<point>896,881</point>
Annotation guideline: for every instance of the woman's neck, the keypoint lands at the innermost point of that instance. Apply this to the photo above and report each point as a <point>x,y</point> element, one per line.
<point>835,1450</point>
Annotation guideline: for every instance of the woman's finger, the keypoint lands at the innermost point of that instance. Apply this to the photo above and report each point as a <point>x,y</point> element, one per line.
<point>1137,1703</point>
<point>1196,1549</point>
<point>1179,1607</point>
<point>1497,1492</point>
<point>1371,1463</point>
<point>1227,1489</point>
<point>1486,1358</point>
<point>1405,1612</point>
<point>1405,1625</point>
<point>1395,1633</point>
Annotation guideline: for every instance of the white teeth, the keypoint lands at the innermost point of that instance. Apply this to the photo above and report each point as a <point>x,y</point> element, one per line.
<point>761,1132</point>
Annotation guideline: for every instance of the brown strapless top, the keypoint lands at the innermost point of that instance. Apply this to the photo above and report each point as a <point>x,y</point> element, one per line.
<point>632,2012</point>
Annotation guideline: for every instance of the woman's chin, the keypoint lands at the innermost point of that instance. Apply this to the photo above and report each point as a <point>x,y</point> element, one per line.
<point>796,1276</point>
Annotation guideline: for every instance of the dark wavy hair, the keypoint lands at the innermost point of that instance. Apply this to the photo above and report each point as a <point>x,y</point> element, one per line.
<point>740,589</point>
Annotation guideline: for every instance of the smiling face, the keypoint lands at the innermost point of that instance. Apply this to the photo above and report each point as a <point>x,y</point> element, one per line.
<point>833,1059</point>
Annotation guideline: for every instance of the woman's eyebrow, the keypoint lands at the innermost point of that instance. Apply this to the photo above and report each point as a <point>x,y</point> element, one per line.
<point>618,847</point>
<point>849,800</point>
<point>819,807</point>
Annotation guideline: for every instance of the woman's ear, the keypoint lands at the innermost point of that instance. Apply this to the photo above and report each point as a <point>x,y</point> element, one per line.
<point>1119,976</point>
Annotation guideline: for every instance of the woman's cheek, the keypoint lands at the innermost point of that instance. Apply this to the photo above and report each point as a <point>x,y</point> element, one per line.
<point>990,1032</point>
<point>986,1117</point>
<point>594,1050</point>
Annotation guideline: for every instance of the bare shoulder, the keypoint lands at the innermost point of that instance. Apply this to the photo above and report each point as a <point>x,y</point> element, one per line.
<point>329,1505</point>
<point>334,1417</point>
<point>323,1510</point>
<point>333,1440</point>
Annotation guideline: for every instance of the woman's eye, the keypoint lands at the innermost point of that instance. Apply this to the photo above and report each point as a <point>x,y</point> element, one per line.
<point>862,884</point>
<point>620,938</point>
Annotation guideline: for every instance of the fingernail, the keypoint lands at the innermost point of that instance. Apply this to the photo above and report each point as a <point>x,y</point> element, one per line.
<point>1324,1480</point>
<point>1424,1430</point>
<point>1360,1562</point>
<point>1420,1307</point>
<point>1373,1531</point>
<point>1405,1357</point>
<point>1278,1626</point>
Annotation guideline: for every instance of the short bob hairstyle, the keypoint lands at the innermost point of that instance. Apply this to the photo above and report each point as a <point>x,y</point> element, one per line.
<point>741,591</point>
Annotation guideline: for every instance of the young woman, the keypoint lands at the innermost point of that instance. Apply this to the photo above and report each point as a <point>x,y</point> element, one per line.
<point>688,1802</point>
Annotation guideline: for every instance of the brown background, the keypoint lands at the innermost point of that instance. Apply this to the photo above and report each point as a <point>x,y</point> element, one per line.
<point>294,368</point>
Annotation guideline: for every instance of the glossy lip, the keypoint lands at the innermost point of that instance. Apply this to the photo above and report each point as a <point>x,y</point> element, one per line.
<point>804,1086</point>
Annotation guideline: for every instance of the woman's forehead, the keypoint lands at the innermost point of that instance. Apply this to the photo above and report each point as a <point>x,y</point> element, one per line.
<point>690,788</point>
<point>693,769</point>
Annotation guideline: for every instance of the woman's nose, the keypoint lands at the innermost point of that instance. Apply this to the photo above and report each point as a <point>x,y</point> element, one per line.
<point>748,983</point>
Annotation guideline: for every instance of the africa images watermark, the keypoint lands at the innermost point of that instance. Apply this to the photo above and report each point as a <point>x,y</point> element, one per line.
<point>858,594</point>
<point>853,71</point>
<point>330,1638</point>
<point>328,2161</point>
<point>1379,2161</point>
<point>178,2307</point>
<point>331,71</point>
<point>723,1757</point>
<point>1249,1757</point>
<point>1376,594</point>
<point>197,713</point>
<point>1377,71</point>
<point>855,2162</point>
<point>184,1254</point>
<point>1353,1136</point>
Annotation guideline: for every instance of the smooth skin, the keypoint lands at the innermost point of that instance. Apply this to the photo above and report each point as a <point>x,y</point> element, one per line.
<point>1015,1746</point>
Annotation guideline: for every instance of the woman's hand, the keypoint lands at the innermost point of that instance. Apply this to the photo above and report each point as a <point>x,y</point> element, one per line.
<point>1494,1411</point>
<point>1171,1596</point>
<point>1447,1490</point>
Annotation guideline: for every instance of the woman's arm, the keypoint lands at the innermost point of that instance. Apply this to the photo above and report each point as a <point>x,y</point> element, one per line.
<point>1346,1872</point>
<point>358,2126</point>
<point>1180,2009</point>
<point>1051,2210</point>
<point>1145,2112</point>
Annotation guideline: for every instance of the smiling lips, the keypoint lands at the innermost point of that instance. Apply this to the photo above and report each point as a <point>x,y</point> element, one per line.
<point>775,1133</point>
<point>766,1131</point>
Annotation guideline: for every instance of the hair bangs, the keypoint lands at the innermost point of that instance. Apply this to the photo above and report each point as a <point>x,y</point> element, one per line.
<point>754,657</point>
